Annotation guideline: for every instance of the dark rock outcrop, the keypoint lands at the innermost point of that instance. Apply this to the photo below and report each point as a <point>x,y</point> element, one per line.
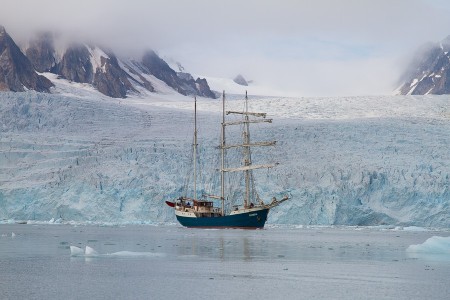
<point>161,70</point>
<point>203,88</point>
<point>76,65</point>
<point>110,79</point>
<point>16,71</point>
<point>185,76</point>
<point>41,52</point>
<point>135,68</point>
<point>182,82</point>
<point>429,72</point>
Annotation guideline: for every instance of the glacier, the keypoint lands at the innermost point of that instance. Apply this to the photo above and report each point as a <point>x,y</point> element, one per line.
<point>363,161</point>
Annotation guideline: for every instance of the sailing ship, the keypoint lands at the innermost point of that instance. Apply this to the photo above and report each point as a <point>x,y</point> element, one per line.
<point>252,212</point>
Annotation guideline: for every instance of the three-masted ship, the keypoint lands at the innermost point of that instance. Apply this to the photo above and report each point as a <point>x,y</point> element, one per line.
<point>252,212</point>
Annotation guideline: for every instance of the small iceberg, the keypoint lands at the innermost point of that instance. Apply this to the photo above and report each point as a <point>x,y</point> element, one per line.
<point>91,252</point>
<point>435,244</point>
<point>414,228</point>
<point>436,248</point>
<point>76,251</point>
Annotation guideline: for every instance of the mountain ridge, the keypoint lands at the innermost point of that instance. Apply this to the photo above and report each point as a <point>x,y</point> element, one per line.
<point>90,64</point>
<point>17,72</point>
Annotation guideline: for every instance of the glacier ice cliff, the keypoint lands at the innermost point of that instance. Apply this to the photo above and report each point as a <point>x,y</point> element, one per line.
<point>350,161</point>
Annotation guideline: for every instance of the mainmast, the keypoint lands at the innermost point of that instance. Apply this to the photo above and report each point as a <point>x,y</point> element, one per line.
<point>195,148</point>
<point>247,166</point>
<point>247,157</point>
<point>222,151</point>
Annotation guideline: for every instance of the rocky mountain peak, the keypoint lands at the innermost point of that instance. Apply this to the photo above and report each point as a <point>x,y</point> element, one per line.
<point>182,82</point>
<point>203,88</point>
<point>76,64</point>
<point>110,79</point>
<point>239,79</point>
<point>41,52</point>
<point>429,71</point>
<point>16,71</point>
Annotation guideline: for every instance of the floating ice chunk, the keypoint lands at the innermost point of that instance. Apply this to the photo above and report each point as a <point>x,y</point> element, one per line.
<point>435,245</point>
<point>414,228</point>
<point>90,251</point>
<point>76,251</point>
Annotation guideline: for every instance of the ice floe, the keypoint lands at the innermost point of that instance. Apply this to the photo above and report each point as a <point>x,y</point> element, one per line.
<point>89,252</point>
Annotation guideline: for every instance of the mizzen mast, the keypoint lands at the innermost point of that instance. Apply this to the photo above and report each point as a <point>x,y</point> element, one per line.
<point>246,145</point>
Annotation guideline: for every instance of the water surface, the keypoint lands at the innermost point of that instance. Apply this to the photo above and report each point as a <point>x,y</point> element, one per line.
<point>169,262</point>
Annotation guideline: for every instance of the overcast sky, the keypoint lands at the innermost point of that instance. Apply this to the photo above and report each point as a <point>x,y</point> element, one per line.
<point>306,48</point>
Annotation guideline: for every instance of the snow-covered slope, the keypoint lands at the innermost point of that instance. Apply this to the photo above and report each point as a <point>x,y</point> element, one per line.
<point>354,161</point>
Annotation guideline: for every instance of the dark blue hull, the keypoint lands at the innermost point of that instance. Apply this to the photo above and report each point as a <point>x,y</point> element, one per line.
<point>249,220</point>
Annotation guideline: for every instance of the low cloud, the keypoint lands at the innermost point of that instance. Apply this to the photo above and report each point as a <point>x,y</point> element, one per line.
<point>321,47</point>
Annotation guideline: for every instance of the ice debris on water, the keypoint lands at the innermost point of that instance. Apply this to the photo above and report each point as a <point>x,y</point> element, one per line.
<point>435,244</point>
<point>91,252</point>
<point>13,235</point>
<point>76,251</point>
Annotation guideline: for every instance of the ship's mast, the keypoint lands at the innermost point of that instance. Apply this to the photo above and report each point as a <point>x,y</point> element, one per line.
<point>247,161</point>
<point>222,151</point>
<point>195,148</point>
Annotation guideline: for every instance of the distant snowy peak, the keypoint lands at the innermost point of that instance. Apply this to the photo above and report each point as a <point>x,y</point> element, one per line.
<point>17,72</point>
<point>239,79</point>
<point>429,72</point>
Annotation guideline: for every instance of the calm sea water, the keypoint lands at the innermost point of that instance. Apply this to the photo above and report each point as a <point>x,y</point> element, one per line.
<point>170,262</point>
